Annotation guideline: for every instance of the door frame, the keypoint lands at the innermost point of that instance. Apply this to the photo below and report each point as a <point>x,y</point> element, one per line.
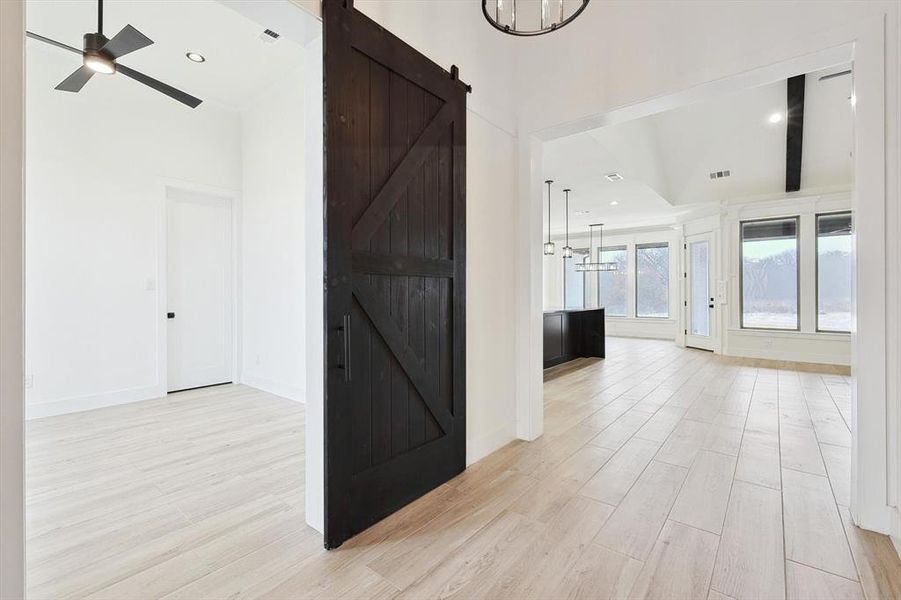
<point>233,197</point>
<point>713,320</point>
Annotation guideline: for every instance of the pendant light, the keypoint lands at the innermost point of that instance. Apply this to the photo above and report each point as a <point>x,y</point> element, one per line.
<point>595,265</point>
<point>549,246</point>
<point>567,249</point>
<point>532,17</point>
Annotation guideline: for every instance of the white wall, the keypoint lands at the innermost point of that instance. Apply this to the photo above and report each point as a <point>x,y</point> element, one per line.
<point>272,241</point>
<point>97,161</point>
<point>490,286</point>
<point>314,232</point>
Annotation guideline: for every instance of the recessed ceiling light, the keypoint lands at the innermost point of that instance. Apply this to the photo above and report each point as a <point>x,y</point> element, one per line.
<point>614,202</point>
<point>776,117</point>
<point>613,177</point>
<point>195,57</point>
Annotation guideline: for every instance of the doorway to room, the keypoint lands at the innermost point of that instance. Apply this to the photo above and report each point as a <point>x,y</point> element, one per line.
<point>177,263</point>
<point>199,284</point>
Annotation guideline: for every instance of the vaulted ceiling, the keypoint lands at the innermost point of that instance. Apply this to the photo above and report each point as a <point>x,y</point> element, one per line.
<point>666,159</point>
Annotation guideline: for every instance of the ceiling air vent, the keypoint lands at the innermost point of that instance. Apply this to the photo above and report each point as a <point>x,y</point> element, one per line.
<point>720,174</point>
<point>613,177</point>
<point>269,36</point>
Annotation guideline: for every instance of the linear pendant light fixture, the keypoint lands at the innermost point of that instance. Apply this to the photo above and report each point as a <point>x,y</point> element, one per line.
<point>549,246</point>
<point>595,265</point>
<point>567,249</point>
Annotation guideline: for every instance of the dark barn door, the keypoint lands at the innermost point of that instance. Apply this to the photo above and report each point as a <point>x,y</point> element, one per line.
<point>395,138</point>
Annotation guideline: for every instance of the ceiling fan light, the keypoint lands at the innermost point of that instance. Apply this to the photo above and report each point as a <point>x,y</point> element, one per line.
<point>99,64</point>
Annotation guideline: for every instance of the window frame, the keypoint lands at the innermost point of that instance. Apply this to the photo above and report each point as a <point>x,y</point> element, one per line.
<point>741,273</point>
<point>668,278</point>
<point>816,267</point>
<point>600,257</point>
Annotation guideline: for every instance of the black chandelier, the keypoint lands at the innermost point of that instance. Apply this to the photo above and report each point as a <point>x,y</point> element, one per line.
<point>595,265</point>
<point>531,17</point>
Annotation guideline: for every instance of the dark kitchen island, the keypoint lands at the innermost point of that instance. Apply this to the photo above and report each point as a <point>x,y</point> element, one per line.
<point>573,333</point>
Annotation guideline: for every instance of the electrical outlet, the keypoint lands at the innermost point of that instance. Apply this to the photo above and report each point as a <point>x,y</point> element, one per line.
<point>28,382</point>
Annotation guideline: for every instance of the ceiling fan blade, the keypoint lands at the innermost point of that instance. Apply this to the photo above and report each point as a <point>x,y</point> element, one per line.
<point>127,40</point>
<point>47,40</point>
<point>159,86</point>
<point>76,81</point>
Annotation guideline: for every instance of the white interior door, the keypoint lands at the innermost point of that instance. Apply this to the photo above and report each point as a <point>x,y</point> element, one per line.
<point>699,314</point>
<point>199,289</point>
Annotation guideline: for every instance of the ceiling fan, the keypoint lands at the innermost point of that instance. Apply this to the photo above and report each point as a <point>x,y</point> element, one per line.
<point>101,55</point>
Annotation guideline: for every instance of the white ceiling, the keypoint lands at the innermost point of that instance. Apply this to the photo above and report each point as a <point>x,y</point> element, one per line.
<point>239,65</point>
<point>666,159</point>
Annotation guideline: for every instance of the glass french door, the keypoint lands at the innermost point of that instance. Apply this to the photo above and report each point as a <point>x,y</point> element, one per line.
<point>699,297</point>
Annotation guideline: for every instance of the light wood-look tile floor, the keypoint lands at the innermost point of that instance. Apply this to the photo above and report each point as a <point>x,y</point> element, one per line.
<point>663,473</point>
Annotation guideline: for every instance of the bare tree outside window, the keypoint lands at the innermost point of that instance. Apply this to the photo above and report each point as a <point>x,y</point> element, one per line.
<point>834,272</point>
<point>613,284</point>
<point>652,280</point>
<point>769,274</point>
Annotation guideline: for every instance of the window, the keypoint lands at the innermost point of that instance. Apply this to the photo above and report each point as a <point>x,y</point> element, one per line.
<point>834,272</point>
<point>769,274</point>
<point>613,285</point>
<point>574,282</point>
<point>652,280</point>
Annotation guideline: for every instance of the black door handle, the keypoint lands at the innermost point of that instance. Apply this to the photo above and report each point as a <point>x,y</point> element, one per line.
<point>345,329</point>
<point>170,315</point>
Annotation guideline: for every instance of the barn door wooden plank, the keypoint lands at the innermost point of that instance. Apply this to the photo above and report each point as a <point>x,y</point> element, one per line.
<point>389,194</point>
<point>381,166</point>
<point>394,339</point>
<point>360,133</point>
<point>401,137</point>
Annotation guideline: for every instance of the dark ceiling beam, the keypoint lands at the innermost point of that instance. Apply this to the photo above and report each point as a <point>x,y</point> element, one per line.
<point>794,132</point>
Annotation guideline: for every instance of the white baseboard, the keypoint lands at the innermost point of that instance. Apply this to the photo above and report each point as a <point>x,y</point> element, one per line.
<point>642,336</point>
<point>63,406</point>
<point>788,355</point>
<point>274,387</point>
<point>481,446</point>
